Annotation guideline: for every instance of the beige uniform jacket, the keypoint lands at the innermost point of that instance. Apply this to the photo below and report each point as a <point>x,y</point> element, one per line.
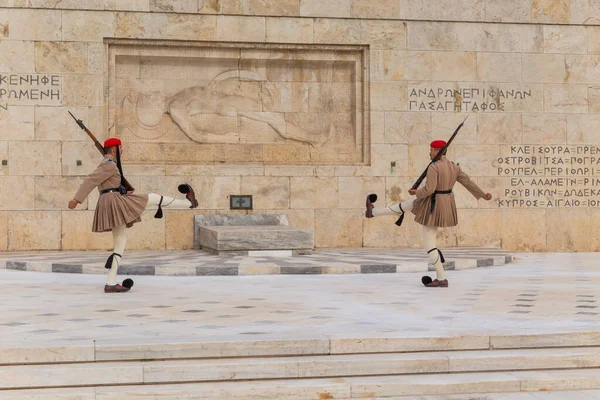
<point>441,176</point>
<point>113,209</point>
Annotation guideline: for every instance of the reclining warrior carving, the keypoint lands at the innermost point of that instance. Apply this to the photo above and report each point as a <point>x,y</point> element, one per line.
<point>213,99</point>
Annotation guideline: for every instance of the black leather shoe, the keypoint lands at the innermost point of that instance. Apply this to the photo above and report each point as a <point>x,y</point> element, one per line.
<point>372,198</point>
<point>189,194</point>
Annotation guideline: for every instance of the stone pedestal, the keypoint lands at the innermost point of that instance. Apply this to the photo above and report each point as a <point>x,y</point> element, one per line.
<point>243,234</point>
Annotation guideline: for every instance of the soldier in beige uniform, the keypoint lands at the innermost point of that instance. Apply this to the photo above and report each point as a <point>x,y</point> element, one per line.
<point>434,206</point>
<point>117,209</point>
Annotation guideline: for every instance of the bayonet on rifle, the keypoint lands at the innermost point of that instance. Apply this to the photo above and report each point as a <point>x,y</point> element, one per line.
<point>98,146</point>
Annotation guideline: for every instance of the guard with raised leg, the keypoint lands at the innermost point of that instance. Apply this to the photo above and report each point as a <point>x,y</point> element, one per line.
<point>118,208</point>
<point>434,206</point>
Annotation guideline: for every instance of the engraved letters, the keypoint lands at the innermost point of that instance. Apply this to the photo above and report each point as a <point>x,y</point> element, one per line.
<point>30,89</point>
<point>551,176</point>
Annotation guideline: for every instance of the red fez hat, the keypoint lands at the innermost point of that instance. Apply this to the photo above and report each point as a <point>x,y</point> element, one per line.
<point>438,144</point>
<point>113,141</point>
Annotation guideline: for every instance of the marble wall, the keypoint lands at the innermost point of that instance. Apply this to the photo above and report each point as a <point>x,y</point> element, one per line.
<point>408,71</point>
<point>514,11</point>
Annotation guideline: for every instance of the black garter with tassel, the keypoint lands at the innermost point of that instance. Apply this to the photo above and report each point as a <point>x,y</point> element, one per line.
<point>159,213</point>
<point>399,222</point>
<point>439,252</point>
<point>109,261</point>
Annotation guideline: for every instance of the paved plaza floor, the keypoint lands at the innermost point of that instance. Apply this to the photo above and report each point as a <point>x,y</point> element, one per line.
<point>536,293</point>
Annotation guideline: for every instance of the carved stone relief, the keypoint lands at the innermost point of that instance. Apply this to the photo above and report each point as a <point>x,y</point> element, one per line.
<point>287,108</point>
<point>214,100</point>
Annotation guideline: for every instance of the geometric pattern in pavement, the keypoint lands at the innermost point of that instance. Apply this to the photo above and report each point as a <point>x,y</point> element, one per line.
<point>197,262</point>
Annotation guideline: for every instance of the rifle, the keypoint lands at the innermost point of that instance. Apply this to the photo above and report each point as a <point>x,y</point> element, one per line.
<point>438,155</point>
<point>99,147</point>
<point>436,158</point>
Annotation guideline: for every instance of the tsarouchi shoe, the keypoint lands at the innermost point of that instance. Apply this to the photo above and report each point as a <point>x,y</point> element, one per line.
<point>115,289</point>
<point>189,194</point>
<point>436,283</point>
<point>372,198</point>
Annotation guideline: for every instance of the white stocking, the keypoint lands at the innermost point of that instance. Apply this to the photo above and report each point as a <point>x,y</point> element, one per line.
<point>120,239</point>
<point>167,202</point>
<point>429,242</point>
<point>395,209</point>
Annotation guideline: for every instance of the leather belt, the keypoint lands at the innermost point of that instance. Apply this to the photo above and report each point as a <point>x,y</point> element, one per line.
<point>109,190</point>
<point>432,205</point>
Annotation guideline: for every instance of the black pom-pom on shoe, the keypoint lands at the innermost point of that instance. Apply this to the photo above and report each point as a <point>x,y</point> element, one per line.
<point>184,188</point>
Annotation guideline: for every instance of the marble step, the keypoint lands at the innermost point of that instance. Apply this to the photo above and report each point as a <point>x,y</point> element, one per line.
<point>338,388</point>
<point>559,395</point>
<point>90,394</point>
<point>104,350</point>
<point>230,369</point>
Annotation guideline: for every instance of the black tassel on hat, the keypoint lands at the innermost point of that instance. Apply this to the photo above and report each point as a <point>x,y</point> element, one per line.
<point>122,188</point>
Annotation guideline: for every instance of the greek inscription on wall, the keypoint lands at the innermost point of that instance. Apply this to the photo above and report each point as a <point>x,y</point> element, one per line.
<point>550,176</point>
<point>30,89</point>
<point>489,99</point>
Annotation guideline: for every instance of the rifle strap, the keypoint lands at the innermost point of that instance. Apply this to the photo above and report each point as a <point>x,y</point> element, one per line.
<point>120,168</point>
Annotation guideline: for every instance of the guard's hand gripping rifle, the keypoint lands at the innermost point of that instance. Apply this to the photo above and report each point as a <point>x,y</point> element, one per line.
<point>99,147</point>
<point>436,158</point>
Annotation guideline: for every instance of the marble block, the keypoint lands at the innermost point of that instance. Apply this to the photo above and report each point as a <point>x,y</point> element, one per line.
<point>236,234</point>
<point>211,349</point>
<point>223,239</point>
<point>78,353</point>
<point>236,220</point>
